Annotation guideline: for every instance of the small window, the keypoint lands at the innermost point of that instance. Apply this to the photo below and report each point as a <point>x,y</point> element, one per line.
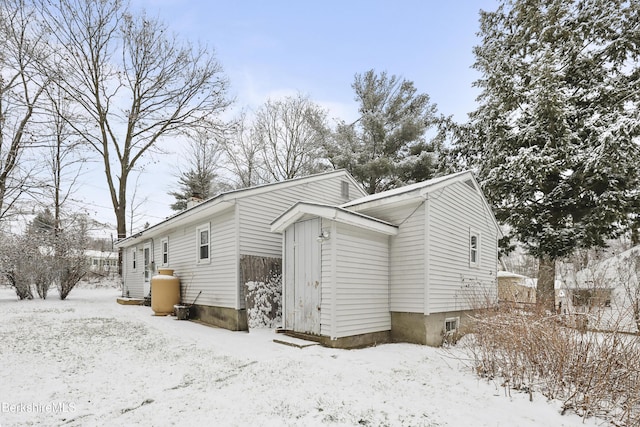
<point>451,325</point>
<point>474,249</point>
<point>165,251</point>
<point>345,189</point>
<point>133,258</point>
<point>203,242</point>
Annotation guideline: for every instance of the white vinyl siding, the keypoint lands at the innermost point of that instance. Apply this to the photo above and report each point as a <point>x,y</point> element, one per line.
<point>216,279</point>
<point>257,212</point>
<point>407,279</point>
<point>361,282</point>
<point>242,230</point>
<point>133,278</point>
<point>453,282</point>
<point>327,266</point>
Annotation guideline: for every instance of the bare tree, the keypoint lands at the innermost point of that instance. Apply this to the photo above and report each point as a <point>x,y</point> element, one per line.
<point>290,133</point>
<point>628,270</point>
<point>243,155</point>
<point>135,205</point>
<point>65,157</point>
<point>21,90</point>
<point>134,84</point>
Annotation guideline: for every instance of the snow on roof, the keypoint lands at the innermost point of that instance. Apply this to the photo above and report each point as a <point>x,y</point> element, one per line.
<point>405,189</point>
<point>100,254</point>
<point>225,200</point>
<point>335,213</point>
<point>610,271</point>
<point>511,275</point>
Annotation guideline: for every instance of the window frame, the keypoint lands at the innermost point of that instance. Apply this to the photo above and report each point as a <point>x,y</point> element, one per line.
<point>449,320</point>
<point>344,189</point>
<point>134,266</point>
<point>474,252</point>
<point>204,227</point>
<point>164,254</point>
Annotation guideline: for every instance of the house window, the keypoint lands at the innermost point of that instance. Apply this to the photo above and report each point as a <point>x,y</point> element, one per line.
<point>133,259</point>
<point>451,325</point>
<point>474,248</point>
<point>345,189</point>
<point>203,236</point>
<point>165,251</point>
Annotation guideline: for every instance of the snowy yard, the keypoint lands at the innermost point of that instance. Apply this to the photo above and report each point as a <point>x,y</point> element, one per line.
<point>91,361</point>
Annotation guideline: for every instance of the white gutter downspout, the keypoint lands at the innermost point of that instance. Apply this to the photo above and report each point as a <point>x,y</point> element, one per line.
<point>427,253</point>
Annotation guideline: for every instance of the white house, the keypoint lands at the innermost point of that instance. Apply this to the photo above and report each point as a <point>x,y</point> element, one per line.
<point>205,243</point>
<point>102,262</point>
<point>402,265</point>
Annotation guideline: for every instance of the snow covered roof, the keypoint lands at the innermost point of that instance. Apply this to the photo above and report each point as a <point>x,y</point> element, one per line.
<point>424,186</point>
<point>100,254</point>
<point>335,213</point>
<point>420,190</point>
<point>511,275</point>
<point>611,271</point>
<point>227,200</point>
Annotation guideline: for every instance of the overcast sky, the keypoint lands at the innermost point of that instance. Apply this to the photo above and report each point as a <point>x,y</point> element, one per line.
<point>274,48</point>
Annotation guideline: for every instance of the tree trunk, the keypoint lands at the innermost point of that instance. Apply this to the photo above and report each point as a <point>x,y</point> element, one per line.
<point>121,225</point>
<point>545,292</point>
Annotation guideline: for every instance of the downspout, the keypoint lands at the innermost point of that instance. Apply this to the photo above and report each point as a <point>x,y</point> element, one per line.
<point>427,253</point>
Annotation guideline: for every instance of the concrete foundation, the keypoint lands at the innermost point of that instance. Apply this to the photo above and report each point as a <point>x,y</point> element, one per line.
<point>228,318</point>
<point>357,341</point>
<point>428,330</point>
<point>352,342</point>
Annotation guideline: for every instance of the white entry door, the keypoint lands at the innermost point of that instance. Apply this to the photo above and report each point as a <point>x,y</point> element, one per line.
<point>302,303</point>
<point>146,259</point>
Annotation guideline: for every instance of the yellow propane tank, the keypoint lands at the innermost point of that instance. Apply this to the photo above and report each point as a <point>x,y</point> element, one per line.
<point>165,292</point>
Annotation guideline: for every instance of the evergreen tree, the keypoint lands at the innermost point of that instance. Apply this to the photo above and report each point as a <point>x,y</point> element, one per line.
<point>555,138</point>
<point>201,179</point>
<point>43,223</point>
<point>193,183</point>
<point>387,146</point>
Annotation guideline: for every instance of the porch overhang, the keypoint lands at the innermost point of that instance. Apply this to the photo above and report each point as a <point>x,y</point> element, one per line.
<point>335,213</point>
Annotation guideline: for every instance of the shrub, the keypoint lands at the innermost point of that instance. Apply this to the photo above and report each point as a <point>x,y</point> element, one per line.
<point>592,373</point>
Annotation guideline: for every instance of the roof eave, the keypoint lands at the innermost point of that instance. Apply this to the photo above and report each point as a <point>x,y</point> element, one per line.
<point>200,212</point>
<point>335,213</point>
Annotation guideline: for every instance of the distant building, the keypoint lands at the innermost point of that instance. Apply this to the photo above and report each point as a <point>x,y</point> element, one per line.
<point>516,288</point>
<point>102,262</point>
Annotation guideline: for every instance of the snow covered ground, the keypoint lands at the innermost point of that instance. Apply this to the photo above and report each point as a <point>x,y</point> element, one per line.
<point>91,361</point>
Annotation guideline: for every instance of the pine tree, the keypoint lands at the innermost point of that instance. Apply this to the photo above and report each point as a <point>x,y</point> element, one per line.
<point>555,138</point>
<point>193,183</point>
<point>200,179</point>
<point>387,146</point>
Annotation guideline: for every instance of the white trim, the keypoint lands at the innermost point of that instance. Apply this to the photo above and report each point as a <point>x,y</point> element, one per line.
<point>201,228</point>
<point>449,320</point>
<point>427,256</point>
<point>227,200</point>
<point>474,253</point>
<point>334,213</point>
<point>283,279</point>
<point>333,284</point>
<point>134,258</point>
<point>236,248</point>
<point>163,261</point>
